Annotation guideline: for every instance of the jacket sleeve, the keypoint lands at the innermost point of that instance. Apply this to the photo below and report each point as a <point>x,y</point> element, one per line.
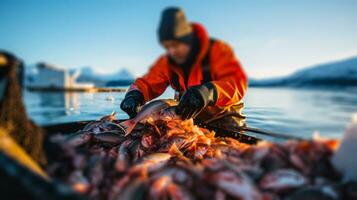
<point>154,82</point>
<point>228,75</point>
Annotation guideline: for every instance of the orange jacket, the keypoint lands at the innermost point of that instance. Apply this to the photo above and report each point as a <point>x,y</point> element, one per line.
<point>226,72</point>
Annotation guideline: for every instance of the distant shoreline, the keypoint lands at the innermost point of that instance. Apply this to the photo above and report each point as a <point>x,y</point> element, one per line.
<point>335,74</point>
<point>95,89</point>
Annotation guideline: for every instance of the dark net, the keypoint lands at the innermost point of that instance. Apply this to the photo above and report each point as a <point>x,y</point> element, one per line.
<point>13,116</point>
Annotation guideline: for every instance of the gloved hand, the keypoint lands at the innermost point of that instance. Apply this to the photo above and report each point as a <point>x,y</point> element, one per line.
<point>195,99</point>
<point>131,102</point>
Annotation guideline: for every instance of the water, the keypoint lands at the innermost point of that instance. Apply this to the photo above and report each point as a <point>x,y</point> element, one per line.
<point>299,112</point>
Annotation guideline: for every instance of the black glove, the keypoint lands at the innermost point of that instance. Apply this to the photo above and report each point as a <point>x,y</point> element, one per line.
<point>131,102</point>
<point>195,99</point>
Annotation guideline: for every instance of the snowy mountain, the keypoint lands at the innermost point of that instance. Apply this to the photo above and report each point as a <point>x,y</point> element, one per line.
<point>339,73</point>
<point>122,77</point>
<point>87,74</point>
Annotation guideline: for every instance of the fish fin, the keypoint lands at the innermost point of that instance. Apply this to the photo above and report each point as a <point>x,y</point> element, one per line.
<point>129,125</point>
<point>174,150</point>
<point>113,113</point>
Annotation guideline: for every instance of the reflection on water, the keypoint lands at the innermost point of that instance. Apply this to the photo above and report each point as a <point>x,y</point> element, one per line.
<point>65,102</point>
<point>301,111</point>
<point>293,111</point>
<point>58,107</point>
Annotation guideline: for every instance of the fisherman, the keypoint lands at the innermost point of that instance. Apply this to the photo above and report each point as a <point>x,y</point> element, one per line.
<point>208,79</point>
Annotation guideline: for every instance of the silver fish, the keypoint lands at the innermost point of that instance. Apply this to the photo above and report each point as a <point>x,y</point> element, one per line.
<point>282,179</point>
<point>155,109</point>
<point>109,136</point>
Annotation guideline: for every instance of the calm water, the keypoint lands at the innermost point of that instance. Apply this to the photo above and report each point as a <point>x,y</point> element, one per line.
<point>298,112</point>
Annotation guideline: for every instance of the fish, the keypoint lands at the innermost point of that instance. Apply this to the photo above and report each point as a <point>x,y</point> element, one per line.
<point>77,139</point>
<point>108,118</point>
<point>159,186</point>
<point>109,137</point>
<point>123,159</point>
<point>235,185</point>
<point>134,190</point>
<point>154,110</point>
<point>78,182</point>
<point>101,124</point>
<point>177,192</point>
<point>316,193</point>
<point>157,157</point>
<point>282,180</point>
<point>149,163</point>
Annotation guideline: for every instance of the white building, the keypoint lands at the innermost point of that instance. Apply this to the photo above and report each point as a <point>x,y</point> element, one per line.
<point>48,76</point>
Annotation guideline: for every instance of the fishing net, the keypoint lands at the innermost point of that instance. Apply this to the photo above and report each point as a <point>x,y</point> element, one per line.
<point>13,116</point>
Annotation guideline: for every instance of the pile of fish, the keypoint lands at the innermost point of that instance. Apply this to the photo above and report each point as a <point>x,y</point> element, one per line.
<point>159,156</point>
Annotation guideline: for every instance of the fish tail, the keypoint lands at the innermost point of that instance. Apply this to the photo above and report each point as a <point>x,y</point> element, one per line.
<point>113,113</point>
<point>129,125</point>
<point>174,150</point>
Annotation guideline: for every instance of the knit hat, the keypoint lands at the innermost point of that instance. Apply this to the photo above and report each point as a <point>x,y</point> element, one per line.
<point>174,26</point>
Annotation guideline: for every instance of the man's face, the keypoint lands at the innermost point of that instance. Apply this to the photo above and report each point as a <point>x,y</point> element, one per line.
<point>178,51</point>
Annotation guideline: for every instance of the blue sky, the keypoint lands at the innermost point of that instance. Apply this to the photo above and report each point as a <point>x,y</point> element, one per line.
<point>270,37</point>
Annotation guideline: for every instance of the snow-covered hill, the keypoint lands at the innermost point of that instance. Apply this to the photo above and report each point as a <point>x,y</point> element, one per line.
<point>122,77</point>
<point>88,74</point>
<point>338,73</point>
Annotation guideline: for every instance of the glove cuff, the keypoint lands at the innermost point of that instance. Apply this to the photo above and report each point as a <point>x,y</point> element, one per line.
<point>213,93</point>
<point>208,92</point>
<point>135,94</point>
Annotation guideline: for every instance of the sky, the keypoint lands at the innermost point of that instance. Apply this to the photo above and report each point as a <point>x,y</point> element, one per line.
<point>270,37</point>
